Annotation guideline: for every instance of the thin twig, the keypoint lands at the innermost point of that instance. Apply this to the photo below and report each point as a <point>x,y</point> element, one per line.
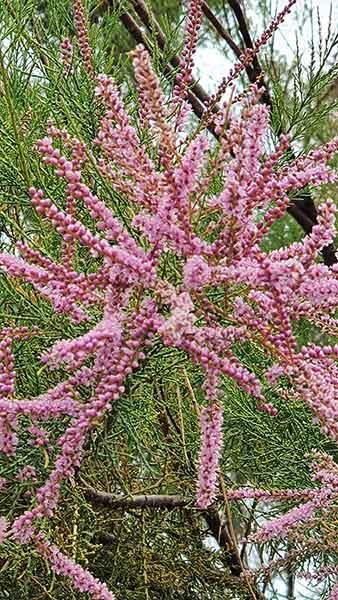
<point>179,399</point>
<point>222,32</point>
<point>248,528</point>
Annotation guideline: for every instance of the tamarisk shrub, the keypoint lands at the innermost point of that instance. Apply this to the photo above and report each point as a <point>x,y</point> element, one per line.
<point>217,241</point>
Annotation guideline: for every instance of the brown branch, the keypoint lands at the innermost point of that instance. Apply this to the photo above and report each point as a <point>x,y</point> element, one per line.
<point>217,528</point>
<point>222,32</point>
<point>160,501</point>
<point>220,532</point>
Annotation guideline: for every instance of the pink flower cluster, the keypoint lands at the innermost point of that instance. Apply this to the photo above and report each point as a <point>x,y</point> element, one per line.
<point>66,55</point>
<point>280,526</point>
<point>211,420</point>
<point>80,21</point>
<point>152,102</point>
<point>40,437</point>
<point>184,77</point>
<point>62,565</point>
<point>27,473</point>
